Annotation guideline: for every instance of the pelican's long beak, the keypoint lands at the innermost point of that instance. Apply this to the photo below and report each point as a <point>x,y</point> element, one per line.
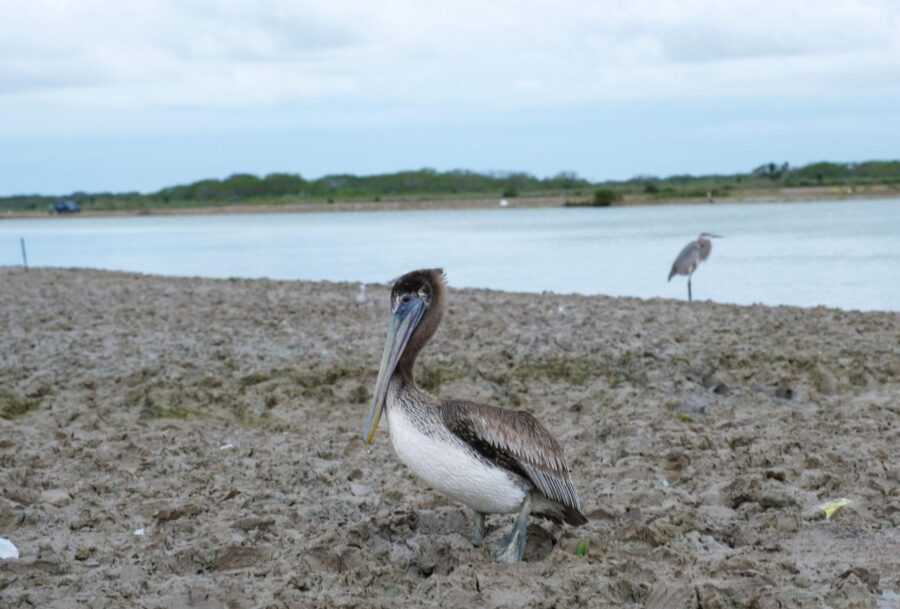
<point>403,323</point>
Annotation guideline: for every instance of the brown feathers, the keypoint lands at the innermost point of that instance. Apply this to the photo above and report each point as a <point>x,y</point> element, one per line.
<point>517,441</point>
<point>511,439</point>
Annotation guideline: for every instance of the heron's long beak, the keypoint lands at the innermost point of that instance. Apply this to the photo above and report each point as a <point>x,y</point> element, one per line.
<point>403,322</point>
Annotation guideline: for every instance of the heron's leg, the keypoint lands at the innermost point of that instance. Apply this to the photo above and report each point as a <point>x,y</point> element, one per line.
<point>479,529</point>
<point>512,546</point>
<point>690,298</point>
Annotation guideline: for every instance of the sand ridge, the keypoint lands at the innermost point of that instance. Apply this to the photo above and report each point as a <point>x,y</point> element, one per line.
<point>223,418</point>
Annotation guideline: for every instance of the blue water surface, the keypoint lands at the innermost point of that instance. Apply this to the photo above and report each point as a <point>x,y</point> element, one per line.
<point>841,253</point>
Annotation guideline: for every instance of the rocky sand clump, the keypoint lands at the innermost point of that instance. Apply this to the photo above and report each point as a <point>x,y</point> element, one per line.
<point>197,443</point>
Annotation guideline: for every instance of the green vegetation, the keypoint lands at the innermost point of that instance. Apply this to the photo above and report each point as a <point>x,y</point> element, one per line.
<point>290,188</point>
<point>581,548</point>
<point>279,188</point>
<point>154,410</point>
<point>254,378</point>
<point>603,197</point>
<point>12,406</point>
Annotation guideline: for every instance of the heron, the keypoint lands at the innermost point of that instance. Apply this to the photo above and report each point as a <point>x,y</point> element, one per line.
<point>491,459</point>
<point>691,256</point>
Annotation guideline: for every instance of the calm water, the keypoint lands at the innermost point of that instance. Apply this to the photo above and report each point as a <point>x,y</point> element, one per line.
<point>841,254</point>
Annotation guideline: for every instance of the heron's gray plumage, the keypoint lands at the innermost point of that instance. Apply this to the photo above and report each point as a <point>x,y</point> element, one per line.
<point>687,260</point>
<point>690,258</point>
<point>705,245</point>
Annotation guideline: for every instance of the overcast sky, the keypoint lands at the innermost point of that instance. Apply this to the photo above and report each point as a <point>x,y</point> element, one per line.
<point>113,95</point>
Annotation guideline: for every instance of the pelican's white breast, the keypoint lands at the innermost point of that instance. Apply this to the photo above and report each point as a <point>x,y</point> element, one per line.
<point>448,465</point>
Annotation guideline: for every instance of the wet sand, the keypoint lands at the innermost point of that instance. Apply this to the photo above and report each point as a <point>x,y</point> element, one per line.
<point>223,419</point>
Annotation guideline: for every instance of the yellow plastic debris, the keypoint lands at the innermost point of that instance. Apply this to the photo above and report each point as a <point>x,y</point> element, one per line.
<point>831,507</point>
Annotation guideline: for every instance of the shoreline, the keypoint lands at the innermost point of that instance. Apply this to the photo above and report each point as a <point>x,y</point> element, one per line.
<point>18,268</point>
<point>783,195</point>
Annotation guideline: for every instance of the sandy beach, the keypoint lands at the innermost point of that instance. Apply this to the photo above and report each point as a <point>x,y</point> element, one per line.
<point>197,443</point>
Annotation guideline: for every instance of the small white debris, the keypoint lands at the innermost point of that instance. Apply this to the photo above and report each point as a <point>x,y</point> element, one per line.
<point>227,446</point>
<point>7,550</point>
<point>504,203</point>
<point>663,483</point>
<point>360,489</point>
<point>361,297</point>
<point>139,532</point>
<point>561,309</point>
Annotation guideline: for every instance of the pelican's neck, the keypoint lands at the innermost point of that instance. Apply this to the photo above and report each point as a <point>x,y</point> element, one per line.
<point>406,364</point>
<point>405,394</point>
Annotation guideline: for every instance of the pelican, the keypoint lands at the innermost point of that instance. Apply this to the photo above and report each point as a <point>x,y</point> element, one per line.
<point>691,256</point>
<point>493,460</point>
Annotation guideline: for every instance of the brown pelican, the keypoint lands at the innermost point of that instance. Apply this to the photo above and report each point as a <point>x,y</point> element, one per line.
<point>691,256</point>
<point>495,461</point>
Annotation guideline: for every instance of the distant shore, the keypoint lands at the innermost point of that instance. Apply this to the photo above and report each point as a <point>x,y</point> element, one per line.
<point>779,195</point>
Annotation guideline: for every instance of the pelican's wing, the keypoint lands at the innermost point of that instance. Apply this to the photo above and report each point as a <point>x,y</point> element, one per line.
<point>517,441</point>
<point>705,246</point>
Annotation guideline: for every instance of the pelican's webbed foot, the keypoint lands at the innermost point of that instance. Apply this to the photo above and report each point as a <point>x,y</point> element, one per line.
<point>511,547</point>
<point>478,541</point>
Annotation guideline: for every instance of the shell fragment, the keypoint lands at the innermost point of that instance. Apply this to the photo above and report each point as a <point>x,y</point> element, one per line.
<point>7,550</point>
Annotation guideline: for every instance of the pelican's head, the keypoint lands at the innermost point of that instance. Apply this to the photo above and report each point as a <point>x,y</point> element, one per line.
<point>416,309</point>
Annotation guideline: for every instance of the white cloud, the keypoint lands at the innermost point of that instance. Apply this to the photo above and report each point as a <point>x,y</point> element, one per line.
<point>141,56</point>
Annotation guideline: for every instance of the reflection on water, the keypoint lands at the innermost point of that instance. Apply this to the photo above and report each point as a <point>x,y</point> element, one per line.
<point>842,254</point>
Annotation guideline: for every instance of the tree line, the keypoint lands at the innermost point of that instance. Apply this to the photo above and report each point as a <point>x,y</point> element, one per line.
<point>289,187</point>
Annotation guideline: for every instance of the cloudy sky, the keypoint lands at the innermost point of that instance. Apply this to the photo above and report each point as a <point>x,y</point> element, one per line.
<point>103,95</point>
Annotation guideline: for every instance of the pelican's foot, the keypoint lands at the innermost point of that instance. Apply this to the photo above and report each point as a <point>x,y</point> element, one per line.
<point>511,547</point>
<point>478,541</point>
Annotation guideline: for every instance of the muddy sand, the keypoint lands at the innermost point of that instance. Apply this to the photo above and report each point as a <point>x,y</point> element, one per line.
<point>197,443</point>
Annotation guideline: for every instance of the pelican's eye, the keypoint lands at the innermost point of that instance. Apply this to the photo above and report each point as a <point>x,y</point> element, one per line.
<point>401,299</point>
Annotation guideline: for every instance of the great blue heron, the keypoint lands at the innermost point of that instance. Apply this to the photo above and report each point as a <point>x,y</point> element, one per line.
<point>691,256</point>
